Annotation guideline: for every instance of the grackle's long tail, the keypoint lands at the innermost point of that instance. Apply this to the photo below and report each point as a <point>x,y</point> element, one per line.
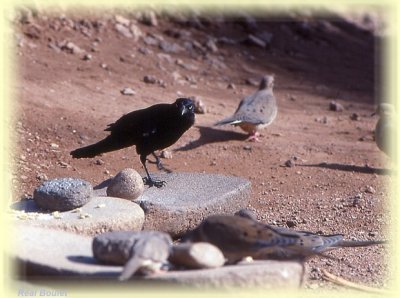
<point>110,143</point>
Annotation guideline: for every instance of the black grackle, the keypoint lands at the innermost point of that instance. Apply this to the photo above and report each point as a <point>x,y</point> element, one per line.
<point>150,129</point>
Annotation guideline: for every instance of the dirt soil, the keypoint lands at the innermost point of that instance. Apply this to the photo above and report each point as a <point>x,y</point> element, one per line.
<point>337,180</point>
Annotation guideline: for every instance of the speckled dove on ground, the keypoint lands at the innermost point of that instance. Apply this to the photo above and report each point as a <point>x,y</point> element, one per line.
<point>256,111</point>
<point>239,237</point>
<point>148,254</point>
<point>385,130</point>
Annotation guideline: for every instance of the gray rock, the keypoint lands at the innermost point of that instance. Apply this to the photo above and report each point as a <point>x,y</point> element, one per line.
<point>128,91</point>
<point>149,79</point>
<point>196,255</point>
<point>170,47</point>
<point>289,163</point>
<point>101,214</point>
<point>231,86</point>
<point>70,47</point>
<point>127,184</point>
<point>122,20</point>
<point>151,41</point>
<point>211,45</point>
<point>166,154</point>
<point>188,198</point>
<point>87,57</point>
<point>355,117</point>
<point>63,194</point>
<point>254,275</point>
<point>123,30</point>
<point>136,32</point>
<point>115,247</point>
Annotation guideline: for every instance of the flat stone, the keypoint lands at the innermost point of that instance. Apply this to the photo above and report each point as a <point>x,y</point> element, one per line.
<point>258,274</point>
<point>48,253</point>
<point>63,194</point>
<point>188,198</point>
<point>101,214</point>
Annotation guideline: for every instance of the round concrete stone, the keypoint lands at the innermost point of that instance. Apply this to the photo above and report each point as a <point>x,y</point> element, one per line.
<point>63,194</point>
<point>101,214</point>
<point>187,198</point>
<point>127,184</point>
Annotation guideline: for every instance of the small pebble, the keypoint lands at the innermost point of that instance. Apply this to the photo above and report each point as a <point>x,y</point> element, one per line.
<point>369,189</point>
<point>166,154</point>
<point>87,57</point>
<point>335,106</point>
<point>289,163</point>
<point>355,117</point>
<point>128,91</point>
<point>231,86</point>
<point>148,79</point>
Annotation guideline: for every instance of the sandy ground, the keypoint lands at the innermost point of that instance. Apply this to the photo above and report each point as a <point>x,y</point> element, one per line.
<point>338,183</point>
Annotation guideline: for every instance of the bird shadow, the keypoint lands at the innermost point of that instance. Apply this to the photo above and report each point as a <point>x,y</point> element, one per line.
<point>209,135</point>
<point>351,168</point>
<point>103,184</point>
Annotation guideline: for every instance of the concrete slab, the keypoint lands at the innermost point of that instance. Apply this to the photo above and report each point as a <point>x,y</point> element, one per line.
<point>187,198</point>
<point>101,214</point>
<point>48,253</point>
<point>258,274</point>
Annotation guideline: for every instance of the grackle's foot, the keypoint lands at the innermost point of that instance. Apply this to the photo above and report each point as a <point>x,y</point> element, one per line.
<point>150,182</point>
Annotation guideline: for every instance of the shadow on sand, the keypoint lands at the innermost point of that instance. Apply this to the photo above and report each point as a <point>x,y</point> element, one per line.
<point>209,135</point>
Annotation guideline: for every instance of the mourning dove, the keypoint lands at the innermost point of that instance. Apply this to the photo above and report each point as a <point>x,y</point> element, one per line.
<point>148,254</point>
<point>385,130</point>
<point>256,111</point>
<point>239,237</point>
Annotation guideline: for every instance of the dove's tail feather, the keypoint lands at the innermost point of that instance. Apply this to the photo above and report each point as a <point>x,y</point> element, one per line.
<point>355,243</point>
<point>230,120</point>
<point>130,268</point>
<point>103,146</point>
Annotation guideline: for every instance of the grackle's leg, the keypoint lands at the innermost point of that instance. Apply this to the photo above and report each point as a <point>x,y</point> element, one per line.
<point>160,166</point>
<point>148,180</point>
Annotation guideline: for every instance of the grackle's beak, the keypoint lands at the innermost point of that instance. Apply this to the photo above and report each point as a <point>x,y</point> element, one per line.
<point>183,110</point>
